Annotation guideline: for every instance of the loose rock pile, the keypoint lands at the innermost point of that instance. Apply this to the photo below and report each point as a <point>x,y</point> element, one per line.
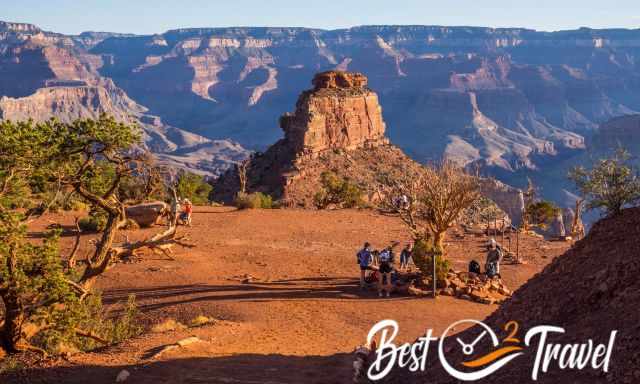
<point>466,286</point>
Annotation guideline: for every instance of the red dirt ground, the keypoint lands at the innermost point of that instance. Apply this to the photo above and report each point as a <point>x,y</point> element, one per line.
<point>298,322</point>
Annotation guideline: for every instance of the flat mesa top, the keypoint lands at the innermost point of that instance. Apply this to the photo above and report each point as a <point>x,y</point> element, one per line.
<point>339,79</point>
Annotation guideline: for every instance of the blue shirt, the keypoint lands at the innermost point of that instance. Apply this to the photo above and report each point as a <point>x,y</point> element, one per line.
<point>364,257</point>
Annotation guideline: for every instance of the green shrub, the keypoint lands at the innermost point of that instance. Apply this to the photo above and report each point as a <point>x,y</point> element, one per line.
<point>75,205</point>
<point>338,191</point>
<point>193,187</point>
<point>422,255</point>
<point>95,222</point>
<point>254,200</point>
<point>541,213</point>
<point>113,329</point>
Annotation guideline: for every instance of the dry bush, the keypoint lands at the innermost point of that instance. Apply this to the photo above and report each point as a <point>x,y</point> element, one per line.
<point>256,200</point>
<point>167,326</point>
<point>436,198</point>
<point>201,320</point>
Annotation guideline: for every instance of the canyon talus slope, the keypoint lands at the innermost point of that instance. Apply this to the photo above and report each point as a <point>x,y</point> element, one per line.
<point>514,101</point>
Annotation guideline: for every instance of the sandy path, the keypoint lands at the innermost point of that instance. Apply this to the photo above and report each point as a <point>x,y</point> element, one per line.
<point>297,321</point>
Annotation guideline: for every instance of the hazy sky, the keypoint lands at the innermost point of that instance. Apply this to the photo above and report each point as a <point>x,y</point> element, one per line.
<point>156,16</point>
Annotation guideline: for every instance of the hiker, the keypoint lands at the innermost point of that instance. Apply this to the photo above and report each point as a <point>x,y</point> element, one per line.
<point>405,255</point>
<point>404,202</point>
<point>386,266</point>
<point>185,215</point>
<point>401,202</point>
<point>494,257</point>
<point>364,259</point>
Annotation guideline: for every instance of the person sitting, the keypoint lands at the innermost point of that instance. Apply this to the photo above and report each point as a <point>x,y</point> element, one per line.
<point>494,257</point>
<point>405,255</point>
<point>185,215</point>
<point>386,266</point>
<point>364,260</point>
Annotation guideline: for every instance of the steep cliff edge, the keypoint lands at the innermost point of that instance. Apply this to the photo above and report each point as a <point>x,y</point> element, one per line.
<point>339,113</point>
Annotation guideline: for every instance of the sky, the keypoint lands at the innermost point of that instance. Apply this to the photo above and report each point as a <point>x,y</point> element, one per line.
<point>157,16</point>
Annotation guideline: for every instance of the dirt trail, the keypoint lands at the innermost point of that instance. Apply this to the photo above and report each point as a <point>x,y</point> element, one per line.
<point>296,322</point>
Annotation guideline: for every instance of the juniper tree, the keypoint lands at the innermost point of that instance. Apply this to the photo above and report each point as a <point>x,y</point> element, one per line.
<point>611,184</point>
<point>44,293</point>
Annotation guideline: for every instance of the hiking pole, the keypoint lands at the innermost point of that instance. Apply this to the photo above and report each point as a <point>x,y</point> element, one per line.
<point>434,274</point>
<point>517,245</point>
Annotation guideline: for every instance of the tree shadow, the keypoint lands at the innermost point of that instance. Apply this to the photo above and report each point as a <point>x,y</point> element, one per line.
<point>242,368</point>
<point>324,288</point>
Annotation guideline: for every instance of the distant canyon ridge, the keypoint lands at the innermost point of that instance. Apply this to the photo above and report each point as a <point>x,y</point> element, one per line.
<point>515,102</point>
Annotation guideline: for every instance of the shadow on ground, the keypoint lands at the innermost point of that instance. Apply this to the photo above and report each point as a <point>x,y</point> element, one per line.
<point>240,369</point>
<point>326,288</point>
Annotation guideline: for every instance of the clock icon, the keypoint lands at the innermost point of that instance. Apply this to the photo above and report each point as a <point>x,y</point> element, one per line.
<point>484,365</point>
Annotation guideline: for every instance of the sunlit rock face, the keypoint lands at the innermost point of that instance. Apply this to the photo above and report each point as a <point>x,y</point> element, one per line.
<point>339,112</point>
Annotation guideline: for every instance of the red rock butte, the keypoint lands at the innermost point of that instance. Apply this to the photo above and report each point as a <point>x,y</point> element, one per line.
<point>340,112</point>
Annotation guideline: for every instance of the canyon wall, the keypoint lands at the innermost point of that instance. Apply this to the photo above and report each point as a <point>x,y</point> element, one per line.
<point>45,75</point>
<point>512,101</point>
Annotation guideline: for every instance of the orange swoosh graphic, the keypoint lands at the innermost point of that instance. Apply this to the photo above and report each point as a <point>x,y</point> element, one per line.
<point>491,357</point>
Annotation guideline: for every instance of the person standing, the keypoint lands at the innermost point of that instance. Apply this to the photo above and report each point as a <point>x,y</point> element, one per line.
<point>405,255</point>
<point>494,257</point>
<point>386,266</point>
<point>364,261</point>
<point>185,216</point>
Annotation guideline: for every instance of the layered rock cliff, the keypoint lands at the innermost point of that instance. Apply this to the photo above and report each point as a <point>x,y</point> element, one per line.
<point>340,112</point>
<point>337,126</point>
<point>45,75</point>
<point>513,101</point>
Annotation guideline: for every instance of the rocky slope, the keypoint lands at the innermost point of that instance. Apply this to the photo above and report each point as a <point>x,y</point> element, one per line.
<point>590,291</point>
<point>44,75</point>
<point>337,126</point>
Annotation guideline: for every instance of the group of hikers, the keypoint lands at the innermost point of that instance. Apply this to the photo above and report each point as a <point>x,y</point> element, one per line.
<point>381,264</point>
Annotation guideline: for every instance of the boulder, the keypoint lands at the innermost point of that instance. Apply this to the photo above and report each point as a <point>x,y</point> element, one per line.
<point>413,291</point>
<point>147,214</point>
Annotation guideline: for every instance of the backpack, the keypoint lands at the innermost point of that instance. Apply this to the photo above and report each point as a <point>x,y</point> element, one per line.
<point>492,269</point>
<point>372,277</point>
<point>386,256</point>
<point>474,267</point>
